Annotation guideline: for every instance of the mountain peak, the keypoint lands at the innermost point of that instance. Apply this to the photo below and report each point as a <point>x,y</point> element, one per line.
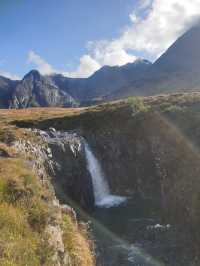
<point>142,61</point>
<point>33,73</point>
<point>136,63</point>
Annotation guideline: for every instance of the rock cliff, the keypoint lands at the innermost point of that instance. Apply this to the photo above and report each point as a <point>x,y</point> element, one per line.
<point>148,148</point>
<point>36,228</point>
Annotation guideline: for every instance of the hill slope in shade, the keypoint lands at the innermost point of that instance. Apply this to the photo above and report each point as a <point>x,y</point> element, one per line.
<point>178,69</point>
<point>106,80</point>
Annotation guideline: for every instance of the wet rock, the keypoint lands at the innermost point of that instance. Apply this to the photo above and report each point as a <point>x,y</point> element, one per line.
<point>71,178</point>
<point>43,166</point>
<point>4,154</point>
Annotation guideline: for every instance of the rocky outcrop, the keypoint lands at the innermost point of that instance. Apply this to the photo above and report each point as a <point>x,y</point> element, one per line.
<point>7,87</point>
<point>152,159</point>
<point>71,179</point>
<point>42,164</point>
<point>36,90</point>
<point>151,154</point>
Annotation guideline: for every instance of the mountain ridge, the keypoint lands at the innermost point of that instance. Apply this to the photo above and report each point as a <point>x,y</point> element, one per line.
<point>176,70</point>
<point>36,90</point>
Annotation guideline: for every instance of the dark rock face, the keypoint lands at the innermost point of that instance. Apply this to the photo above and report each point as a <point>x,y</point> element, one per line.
<point>37,90</point>
<point>153,154</point>
<point>154,160</point>
<point>4,154</point>
<point>70,177</point>
<point>6,89</point>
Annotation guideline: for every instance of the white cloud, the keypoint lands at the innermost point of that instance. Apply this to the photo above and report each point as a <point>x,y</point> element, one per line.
<point>109,53</point>
<point>44,67</point>
<point>154,26</point>
<point>145,4</point>
<point>163,24</point>
<point>9,75</point>
<point>133,17</point>
<point>86,67</point>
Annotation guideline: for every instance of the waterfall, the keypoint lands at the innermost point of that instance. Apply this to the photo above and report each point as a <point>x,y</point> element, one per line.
<point>77,144</point>
<point>102,195</point>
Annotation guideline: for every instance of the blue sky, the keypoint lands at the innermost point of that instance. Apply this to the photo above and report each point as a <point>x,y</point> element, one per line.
<point>76,37</point>
<point>58,30</point>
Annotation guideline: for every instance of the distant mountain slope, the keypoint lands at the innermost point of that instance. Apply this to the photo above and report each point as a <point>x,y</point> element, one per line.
<point>6,89</point>
<point>56,90</point>
<point>106,80</point>
<point>178,69</point>
<point>37,90</point>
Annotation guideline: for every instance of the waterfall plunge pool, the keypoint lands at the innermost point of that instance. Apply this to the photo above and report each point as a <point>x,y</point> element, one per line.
<point>113,221</point>
<point>128,231</point>
<point>110,201</point>
<point>132,234</point>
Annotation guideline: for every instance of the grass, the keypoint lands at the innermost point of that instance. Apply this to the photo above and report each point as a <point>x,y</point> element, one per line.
<point>34,117</point>
<point>24,208</point>
<point>21,228</point>
<point>138,105</point>
<point>24,214</point>
<point>24,203</point>
<point>77,243</point>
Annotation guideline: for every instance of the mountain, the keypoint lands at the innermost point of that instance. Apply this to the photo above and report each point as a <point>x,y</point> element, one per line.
<point>37,90</point>
<point>6,89</point>
<point>56,90</point>
<point>178,69</point>
<point>107,79</point>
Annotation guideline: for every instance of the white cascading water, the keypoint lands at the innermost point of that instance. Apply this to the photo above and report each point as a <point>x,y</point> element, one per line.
<point>102,195</point>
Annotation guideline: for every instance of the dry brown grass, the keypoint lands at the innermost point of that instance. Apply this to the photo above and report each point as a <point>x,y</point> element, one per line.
<point>77,243</point>
<point>9,132</point>
<point>10,151</point>
<point>8,115</point>
<point>20,193</point>
<point>39,114</point>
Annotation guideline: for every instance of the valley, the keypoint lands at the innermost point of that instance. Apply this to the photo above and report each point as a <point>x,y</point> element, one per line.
<point>100,133</point>
<point>148,152</point>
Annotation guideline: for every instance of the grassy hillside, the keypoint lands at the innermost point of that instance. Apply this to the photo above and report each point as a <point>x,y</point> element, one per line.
<point>147,146</point>
<point>159,135</point>
<point>26,209</point>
